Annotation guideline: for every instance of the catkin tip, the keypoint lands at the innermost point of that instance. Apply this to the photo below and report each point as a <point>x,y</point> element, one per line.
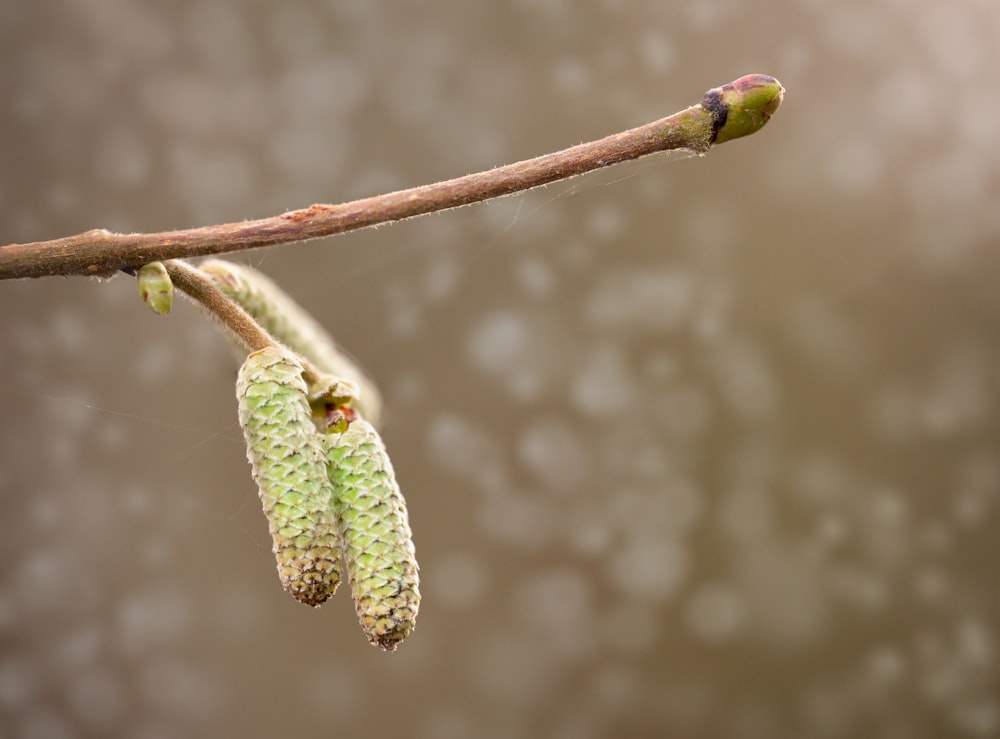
<point>390,638</point>
<point>311,585</point>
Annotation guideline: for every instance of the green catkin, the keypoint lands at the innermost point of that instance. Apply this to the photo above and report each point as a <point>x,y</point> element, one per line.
<point>288,460</point>
<point>378,545</point>
<point>292,325</point>
<point>155,287</point>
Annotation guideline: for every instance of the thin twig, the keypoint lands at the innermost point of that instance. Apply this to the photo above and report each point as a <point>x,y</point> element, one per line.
<point>725,113</point>
<point>199,287</point>
<point>276,312</point>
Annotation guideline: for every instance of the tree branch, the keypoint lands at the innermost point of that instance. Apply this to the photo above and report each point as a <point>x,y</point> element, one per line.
<point>734,110</point>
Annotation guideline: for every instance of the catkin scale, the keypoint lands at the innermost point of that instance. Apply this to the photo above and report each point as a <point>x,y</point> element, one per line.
<point>378,546</point>
<point>288,460</point>
<point>292,325</point>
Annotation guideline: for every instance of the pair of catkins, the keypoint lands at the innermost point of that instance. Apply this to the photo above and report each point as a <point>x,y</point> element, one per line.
<point>325,479</point>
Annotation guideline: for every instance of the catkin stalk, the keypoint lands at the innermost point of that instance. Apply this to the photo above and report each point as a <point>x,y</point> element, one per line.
<point>292,325</point>
<point>378,545</point>
<point>289,465</point>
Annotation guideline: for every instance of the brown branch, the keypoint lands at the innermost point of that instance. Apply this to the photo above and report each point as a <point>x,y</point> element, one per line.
<point>727,112</point>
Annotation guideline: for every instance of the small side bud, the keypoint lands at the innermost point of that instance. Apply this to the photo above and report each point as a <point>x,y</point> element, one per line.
<point>335,418</point>
<point>155,287</point>
<point>289,465</point>
<point>378,545</point>
<point>329,397</point>
<point>333,390</point>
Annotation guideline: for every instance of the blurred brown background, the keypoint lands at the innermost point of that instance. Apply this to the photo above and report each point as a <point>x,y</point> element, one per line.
<point>693,447</point>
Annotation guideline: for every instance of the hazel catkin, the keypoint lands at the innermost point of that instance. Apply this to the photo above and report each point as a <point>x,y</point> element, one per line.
<point>289,465</point>
<point>378,547</point>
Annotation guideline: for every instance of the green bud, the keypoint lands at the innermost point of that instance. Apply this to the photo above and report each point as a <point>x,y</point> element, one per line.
<point>378,545</point>
<point>291,324</point>
<point>155,287</point>
<point>289,465</point>
<point>744,106</point>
